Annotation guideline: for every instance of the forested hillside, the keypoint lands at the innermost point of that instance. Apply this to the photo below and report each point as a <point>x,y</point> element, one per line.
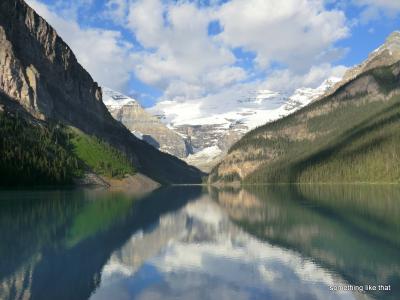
<point>38,153</point>
<point>352,135</point>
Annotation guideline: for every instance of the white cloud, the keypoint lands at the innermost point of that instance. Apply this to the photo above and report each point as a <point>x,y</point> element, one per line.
<point>180,90</point>
<point>179,57</point>
<point>297,33</point>
<point>179,52</point>
<point>102,52</point>
<point>146,20</point>
<point>287,81</point>
<point>225,76</point>
<point>373,9</point>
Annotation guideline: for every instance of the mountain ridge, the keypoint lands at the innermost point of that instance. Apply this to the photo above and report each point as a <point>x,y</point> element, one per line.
<point>204,145</point>
<point>39,71</point>
<point>143,125</point>
<point>211,128</point>
<point>350,135</point>
<point>385,55</point>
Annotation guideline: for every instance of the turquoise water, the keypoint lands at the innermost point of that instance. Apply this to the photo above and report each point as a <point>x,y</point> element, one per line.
<point>273,242</point>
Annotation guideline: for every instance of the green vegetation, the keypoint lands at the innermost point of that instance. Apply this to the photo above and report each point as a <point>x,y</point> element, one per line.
<point>34,153</point>
<point>345,139</point>
<point>385,79</point>
<point>31,221</point>
<point>100,156</point>
<point>362,149</point>
<point>98,216</point>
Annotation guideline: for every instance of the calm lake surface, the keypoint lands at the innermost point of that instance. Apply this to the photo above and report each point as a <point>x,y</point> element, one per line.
<point>272,242</point>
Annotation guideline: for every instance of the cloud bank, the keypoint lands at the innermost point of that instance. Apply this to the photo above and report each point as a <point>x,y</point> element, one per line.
<point>189,49</point>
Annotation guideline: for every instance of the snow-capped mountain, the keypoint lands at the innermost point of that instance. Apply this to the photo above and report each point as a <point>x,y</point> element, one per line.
<point>202,131</point>
<point>211,127</point>
<point>116,100</point>
<point>207,127</point>
<point>143,125</point>
<point>251,109</point>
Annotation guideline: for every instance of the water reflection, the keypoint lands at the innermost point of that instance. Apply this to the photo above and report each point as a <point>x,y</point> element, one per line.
<point>351,230</point>
<point>202,255</point>
<point>54,244</point>
<point>277,242</point>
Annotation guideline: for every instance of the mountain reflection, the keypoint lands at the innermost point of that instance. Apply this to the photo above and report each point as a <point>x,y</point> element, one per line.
<point>351,230</point>
<point>275,242</point>
<point>54,244</point>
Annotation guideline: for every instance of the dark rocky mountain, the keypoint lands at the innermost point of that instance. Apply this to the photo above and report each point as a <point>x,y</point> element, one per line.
<point>40,75</point>
<point>350,135</point>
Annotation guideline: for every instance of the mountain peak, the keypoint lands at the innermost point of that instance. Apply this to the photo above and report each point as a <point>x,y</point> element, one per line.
<point>386,55</point>
<point>391,47</point>
<point>394,37</point>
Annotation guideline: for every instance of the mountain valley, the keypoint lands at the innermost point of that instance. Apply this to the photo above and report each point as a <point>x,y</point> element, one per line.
<point>307,134</point>
<point>199,150</point>
<point>202,134</point>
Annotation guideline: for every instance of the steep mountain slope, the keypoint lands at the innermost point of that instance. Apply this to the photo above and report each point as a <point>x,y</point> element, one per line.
<point>386,55</point>
<point>25,161</point>
<point>39,72</point>
<point>212,126</point>
<point>144,125</point>
<point>35,152</point>
<point>351,135</point>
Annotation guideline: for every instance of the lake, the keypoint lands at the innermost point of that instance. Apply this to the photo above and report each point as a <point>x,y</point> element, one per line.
<point>267,242</point>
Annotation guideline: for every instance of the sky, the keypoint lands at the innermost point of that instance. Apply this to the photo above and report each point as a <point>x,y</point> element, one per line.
<point>183,50</point>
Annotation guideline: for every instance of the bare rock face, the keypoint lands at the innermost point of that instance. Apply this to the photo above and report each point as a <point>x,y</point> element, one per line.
<point>386,55</point>
<point>145,126</point>
<point>40,73</point>
<point>208,144</point>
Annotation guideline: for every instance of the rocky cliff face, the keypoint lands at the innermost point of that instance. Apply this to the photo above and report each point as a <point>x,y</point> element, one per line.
<point>39,72</point>
<point>144,125</point>
<point>386,55</point>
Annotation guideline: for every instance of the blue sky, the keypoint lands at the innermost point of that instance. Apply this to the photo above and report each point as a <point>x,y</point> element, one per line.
<point>184,50</point>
